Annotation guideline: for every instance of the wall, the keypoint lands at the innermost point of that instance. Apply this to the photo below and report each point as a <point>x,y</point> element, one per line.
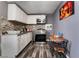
<point>3,8</point>
<point>50,21</point>
<point>3,13</point>
<point>70,28</point>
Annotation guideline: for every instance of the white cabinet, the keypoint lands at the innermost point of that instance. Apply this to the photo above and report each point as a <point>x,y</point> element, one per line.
<point>25,39</point>
<point>32,19</point>
<point>12,45</point>
<point>9,45</point>
<point>16,14</point>
<point>29,37</point>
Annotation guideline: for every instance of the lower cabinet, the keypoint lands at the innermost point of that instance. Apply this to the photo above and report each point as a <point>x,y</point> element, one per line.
<point>12,45</point>
<point>9,45</point>
<point>24,40</point>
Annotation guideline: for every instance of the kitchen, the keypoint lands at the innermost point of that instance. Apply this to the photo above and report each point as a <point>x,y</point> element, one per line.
<point>32,29</point>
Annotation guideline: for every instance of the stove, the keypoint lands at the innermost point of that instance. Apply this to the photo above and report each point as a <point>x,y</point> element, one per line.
<point>40,35</point>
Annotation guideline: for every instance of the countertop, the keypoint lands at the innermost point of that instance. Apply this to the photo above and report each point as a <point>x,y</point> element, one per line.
<point>23,33</point>
<point>16,34</point>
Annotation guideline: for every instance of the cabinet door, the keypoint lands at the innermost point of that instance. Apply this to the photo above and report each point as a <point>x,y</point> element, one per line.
<point>31,20</point>
<point>9,45</point>
<point>19,38</point>
<point>23,42</point>
<point>16,14</point>
<point>42,17</point>
<point>12,12</point>
<point>3,45</point>
<point>19,14</point>
<point>25,17</point>
<point>29,36</point>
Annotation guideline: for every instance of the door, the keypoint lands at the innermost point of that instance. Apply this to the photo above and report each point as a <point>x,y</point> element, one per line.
<point>9,45</point>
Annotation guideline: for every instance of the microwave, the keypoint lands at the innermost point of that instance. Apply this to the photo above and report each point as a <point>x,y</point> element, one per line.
<point>41,21</point>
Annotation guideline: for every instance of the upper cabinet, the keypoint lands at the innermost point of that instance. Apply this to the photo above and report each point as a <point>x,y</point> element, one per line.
<point>32,19</point>
<point>16,14</point>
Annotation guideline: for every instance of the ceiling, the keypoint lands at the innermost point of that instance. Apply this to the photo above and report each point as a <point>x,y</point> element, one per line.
<point>38,7</point>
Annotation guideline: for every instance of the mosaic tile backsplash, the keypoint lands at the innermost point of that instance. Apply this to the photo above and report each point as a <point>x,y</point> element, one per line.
<point>6,25</point>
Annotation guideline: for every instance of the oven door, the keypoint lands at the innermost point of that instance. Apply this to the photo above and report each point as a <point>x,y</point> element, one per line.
<point>40,38</point>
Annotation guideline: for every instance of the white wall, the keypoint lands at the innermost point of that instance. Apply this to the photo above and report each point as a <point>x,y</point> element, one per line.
<point>3,12</point>
<point>3,8</point>
<point>70,28</point>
